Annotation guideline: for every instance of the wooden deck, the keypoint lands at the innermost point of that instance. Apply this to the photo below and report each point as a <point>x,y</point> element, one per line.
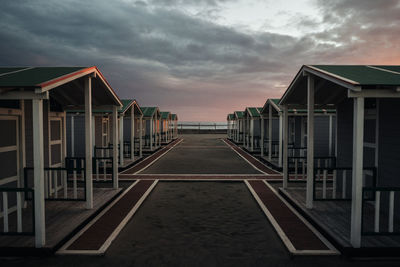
<point>62,219</point>
<point>333,217</point>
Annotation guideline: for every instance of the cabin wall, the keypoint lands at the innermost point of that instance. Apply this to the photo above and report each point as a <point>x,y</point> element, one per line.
<point>389,142</point>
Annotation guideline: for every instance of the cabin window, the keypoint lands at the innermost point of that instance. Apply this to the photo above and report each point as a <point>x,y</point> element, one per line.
<point>104,131</point>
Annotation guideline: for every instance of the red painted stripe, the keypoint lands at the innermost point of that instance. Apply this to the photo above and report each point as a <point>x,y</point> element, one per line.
<point>65,77</point>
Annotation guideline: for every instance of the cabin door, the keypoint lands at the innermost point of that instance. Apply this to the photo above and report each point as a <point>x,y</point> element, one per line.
<point>55,142</point>
<point>9,151</point>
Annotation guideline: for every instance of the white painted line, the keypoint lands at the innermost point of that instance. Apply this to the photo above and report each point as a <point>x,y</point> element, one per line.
<point>63,249</point>
<point>272,220</point>
<point>154,160</point>
<point>332,250</point>
<point>246,159</point>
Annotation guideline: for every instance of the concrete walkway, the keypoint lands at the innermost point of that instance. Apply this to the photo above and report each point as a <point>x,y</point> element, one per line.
<point>201,154</point>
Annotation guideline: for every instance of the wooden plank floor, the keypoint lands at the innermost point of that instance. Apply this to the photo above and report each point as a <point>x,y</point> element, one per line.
<point>62,217</point>
<point>334,218</point>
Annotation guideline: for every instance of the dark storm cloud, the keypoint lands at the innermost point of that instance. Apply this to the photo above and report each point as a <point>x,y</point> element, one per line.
<point>160,54</point>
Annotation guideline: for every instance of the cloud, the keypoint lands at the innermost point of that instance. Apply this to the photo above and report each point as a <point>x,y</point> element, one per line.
<point>160,54</point>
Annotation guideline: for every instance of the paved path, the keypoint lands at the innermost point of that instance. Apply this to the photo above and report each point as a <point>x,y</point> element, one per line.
<point>201,154</point>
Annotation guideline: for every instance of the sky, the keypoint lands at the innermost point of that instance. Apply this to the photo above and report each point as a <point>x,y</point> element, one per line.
<point>201,59</point>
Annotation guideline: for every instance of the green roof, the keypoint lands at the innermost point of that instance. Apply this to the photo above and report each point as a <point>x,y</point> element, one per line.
<point>254,112</point>
<point>231,116</point>
<point>164,115</point>
<point>363,74</point>
<point>148,111</point>
<point>239,114</point>
<point>174,117</point>
<point>29,77</point>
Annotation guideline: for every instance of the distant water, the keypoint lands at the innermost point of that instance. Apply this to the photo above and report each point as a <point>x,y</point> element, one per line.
<point>204,125</point>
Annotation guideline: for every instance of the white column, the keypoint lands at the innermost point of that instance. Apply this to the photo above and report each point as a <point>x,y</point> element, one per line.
<point>93,132</point>
<point>38,172</point>
<point>132,133</point>
<point>115,145</point>
<point>357,173</point>
<point>88,143</point>
<point>140,136</point>
<point>270,133</point>
<point>252,134</point>
<point>262,136</point>
<point>280,139</point>
<point>285,147</point>
<point>72,136</point>
<point>121,140</point>
<point>330,135</point>
<point>310,141</point>
<point>151,133</point>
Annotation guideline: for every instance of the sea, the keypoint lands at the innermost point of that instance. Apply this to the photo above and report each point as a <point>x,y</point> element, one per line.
<point>203,125</point>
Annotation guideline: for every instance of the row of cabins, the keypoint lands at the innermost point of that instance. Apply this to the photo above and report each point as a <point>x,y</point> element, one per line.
<point>62,130</point>
<point>334,134</point>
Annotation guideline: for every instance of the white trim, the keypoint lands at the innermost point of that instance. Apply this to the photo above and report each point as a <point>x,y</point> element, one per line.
<point>246,159</point>
<point>377,68</point>
<point>154,160</point>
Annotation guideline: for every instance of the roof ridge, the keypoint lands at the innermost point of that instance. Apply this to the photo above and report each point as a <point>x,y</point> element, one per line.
<point>11,72</point>
<point>378,68</point>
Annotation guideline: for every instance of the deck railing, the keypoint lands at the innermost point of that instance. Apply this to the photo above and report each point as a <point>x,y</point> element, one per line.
<point>335,183</point>
<point>297,166</point>
<point>12,211</point>
<point>274,148</point>
<point>384,220</point>
<point>102,168</point>
<point>63,184</point>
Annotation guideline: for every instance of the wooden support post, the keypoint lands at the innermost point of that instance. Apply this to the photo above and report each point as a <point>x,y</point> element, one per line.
<point>140,136</point>
<point>285,147</point>
<point>72,136</point>
<point>121,140</point>
<point>310,141</point>
<point>88,143</point>
<point>262,137</point>
<point>357,174</point>
<point>270,133</point>
<point>38,172</point>
<point>132,137</point>
<point>151,132</point>
<point>115,146</point>
<point>330,135</point>
<point>280,140</point>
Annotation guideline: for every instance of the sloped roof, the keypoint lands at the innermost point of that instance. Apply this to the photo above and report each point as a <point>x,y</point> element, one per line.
<point>33,76</point>
<point>231,116</point>
<point>253,111</point>
<point>165,115</point>
<point>363,74</point>
<point>239,114</point>
<point>174,116</point>
<point>41,79</point>
<point>149,111</point>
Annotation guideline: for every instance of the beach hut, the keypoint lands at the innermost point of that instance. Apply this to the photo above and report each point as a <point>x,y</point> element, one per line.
<point>165,126</point>
<point>129,120</point>
<point>34,163</point>
<point>365,176</point>
<point>272,134</point>
<point>151,128</point>
<point>174,126</point>
<point>239,118</point>
<point>230,125</point>
<point>252,129</point>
